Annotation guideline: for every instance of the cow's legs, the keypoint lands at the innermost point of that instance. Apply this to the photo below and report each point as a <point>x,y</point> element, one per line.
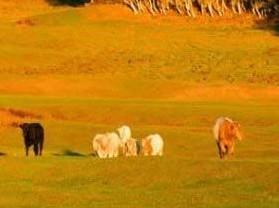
<point>26,150</point>
<point>101,154</point>
<point>41,146</point>
<point>36,149</point>
<point>115,154</point>
<point>110,153</point>
<point>125,149</point>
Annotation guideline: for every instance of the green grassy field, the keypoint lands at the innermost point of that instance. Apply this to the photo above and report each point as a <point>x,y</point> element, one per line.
<point>189,174</point>
<point>89,70</point>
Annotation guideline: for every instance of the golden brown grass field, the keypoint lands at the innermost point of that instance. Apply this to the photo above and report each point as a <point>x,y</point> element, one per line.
<point>87,70</point>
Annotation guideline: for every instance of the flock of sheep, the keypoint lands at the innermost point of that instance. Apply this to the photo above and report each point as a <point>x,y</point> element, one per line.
<point>112,144</point>
<point>261,8</point>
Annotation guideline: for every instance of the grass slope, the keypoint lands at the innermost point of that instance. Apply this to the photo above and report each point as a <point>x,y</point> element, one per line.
<point>75,41</point>
<point>189,174</point>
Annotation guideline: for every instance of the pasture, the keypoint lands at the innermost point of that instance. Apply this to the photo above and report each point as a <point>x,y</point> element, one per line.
<point>89,70</point>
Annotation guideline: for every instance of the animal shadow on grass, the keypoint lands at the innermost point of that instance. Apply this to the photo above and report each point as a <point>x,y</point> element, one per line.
<point>70,153</point>
<point>2,154</point>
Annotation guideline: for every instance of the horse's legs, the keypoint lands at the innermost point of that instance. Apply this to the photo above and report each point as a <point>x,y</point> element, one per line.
<point>231,150</point>
<point>222,149</point>
<point>219,150</point>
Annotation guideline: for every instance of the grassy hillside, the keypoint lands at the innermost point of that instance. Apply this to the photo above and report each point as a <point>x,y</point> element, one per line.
<point>82,71</point>
<point>162,48</point>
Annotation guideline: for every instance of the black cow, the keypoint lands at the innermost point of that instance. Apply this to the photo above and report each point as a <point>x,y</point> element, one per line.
<point>33,134</point>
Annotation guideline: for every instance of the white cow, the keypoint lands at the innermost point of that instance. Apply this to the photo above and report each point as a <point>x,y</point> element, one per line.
<point>153,145</point>
<point>106,145</point>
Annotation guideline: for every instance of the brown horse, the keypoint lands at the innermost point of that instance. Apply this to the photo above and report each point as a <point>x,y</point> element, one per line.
<point>226,131</point>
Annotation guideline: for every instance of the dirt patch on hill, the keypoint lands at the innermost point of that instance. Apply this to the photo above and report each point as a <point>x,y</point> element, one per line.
<point>26,22</point>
